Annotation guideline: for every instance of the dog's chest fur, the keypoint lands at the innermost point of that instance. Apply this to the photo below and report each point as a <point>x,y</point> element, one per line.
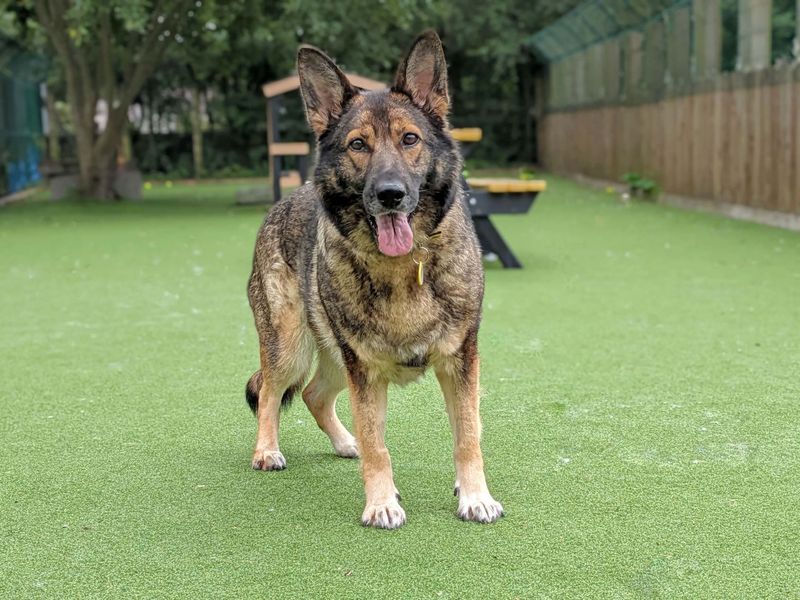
<point>377,307</point>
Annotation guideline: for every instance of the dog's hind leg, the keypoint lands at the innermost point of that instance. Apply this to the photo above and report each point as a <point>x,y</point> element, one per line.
<point>320,398</point>
<point>267,456</point>
<point>286,349</point>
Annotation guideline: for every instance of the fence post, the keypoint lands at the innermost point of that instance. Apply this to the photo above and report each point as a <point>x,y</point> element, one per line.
<point>755,34</point>
<point>707,38</point>
<point>796,46</point>
<point>634,67</point>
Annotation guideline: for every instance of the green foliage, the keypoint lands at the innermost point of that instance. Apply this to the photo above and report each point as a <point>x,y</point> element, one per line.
<point>228,49</point>
<point>784,29</point>
<point>730,33</point>
<point>640,186</point>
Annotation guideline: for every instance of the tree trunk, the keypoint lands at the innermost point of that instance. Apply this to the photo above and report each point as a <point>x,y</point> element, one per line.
<point>106,172</point>
<point>106,151</point>
<point>126,147</point>
<point>195,117</point>
<point>54,130</point>
<point>90,74</point>
<point>84,141</point>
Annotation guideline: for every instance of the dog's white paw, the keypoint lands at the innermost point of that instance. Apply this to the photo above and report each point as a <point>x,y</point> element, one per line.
<point>479,507</point>
<point>346,447</point>
<point>268,460</point>
<point>384,516</point>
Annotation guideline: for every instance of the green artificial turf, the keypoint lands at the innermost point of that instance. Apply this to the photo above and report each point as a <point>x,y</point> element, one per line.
<point>641,405</point>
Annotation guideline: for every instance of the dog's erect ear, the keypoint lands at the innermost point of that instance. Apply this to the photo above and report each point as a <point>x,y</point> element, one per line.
<point>423,75</point>
<point>324,88</point>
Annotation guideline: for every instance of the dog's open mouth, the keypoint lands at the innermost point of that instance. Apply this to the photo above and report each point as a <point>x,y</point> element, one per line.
<point>395,237</point>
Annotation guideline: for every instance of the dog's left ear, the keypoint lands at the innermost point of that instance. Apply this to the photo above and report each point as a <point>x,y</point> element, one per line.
<point>423,75</point>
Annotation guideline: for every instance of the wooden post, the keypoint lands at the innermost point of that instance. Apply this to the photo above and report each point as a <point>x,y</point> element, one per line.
<point>755,34</point>
<point>611,75</point>
<point>634,67</point>
<point>707,38</point>
<point>274,136</point>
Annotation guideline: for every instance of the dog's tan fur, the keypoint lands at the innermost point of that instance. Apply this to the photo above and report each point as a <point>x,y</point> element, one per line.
<point>319,285</point>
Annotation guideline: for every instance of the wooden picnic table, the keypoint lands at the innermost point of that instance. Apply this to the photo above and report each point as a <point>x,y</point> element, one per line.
<point>488,196</point>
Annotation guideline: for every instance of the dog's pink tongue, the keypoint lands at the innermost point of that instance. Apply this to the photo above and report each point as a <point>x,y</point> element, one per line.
<point>394,234</point>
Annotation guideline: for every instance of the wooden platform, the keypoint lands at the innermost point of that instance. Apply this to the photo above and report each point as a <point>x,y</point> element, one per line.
<point>487,196</point>
<point>507,186</point>
<point>289,149</point>
<point>467,134</point>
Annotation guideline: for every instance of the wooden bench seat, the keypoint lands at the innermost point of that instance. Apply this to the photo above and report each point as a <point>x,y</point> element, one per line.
<point>467,134</point>
<point>487,196</point>
<point>289,149</point>
<point>507,186</point>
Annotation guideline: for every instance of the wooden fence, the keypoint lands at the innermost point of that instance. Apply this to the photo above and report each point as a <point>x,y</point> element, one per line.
<point>652,99</point>
<point>734,140</point>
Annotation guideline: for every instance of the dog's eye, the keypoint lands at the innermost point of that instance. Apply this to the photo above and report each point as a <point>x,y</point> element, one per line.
<point>358,145</point>
<point>410,139</point>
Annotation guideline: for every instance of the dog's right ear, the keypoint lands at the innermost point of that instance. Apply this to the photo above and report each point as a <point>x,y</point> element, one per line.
<point>325,89</point>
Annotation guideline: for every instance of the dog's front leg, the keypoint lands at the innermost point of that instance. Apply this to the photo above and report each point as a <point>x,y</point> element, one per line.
<point>368,398</point>
<point>458,377</point>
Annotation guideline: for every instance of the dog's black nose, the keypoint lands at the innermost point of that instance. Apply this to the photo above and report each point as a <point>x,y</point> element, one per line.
<point>390,193</point>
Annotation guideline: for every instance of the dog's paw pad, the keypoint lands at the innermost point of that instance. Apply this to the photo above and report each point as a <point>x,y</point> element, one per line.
<point>268,460</point>
<point>384,516</point>
<point>481,508</point>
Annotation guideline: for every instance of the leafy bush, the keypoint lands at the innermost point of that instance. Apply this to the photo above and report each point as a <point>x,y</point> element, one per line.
<point>640,186</point>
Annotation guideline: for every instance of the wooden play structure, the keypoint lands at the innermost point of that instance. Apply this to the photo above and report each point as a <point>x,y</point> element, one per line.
<point>277,148</point>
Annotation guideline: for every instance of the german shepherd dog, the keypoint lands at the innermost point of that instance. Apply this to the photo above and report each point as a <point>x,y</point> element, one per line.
<point>375,267</point>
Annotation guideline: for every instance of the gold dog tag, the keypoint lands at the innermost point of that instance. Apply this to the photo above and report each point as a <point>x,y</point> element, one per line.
<point>420,257</point>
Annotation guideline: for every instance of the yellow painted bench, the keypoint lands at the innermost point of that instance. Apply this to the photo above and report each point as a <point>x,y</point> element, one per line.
<point>467,134</point>
<point>488,196</point>
<point>507,186</point>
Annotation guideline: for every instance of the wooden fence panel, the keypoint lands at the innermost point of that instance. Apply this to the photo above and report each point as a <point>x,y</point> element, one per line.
<point>737,141</point>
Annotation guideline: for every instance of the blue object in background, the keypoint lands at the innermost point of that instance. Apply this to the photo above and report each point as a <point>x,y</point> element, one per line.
<point>21,119</point>
<point>24,172</point>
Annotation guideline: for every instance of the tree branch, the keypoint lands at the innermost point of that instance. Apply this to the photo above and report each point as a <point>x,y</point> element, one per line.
<point>106,72</point>
<point>153,50</point>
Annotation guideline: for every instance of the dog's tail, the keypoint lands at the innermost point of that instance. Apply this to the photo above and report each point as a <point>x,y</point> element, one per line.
<point>253,387</point>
